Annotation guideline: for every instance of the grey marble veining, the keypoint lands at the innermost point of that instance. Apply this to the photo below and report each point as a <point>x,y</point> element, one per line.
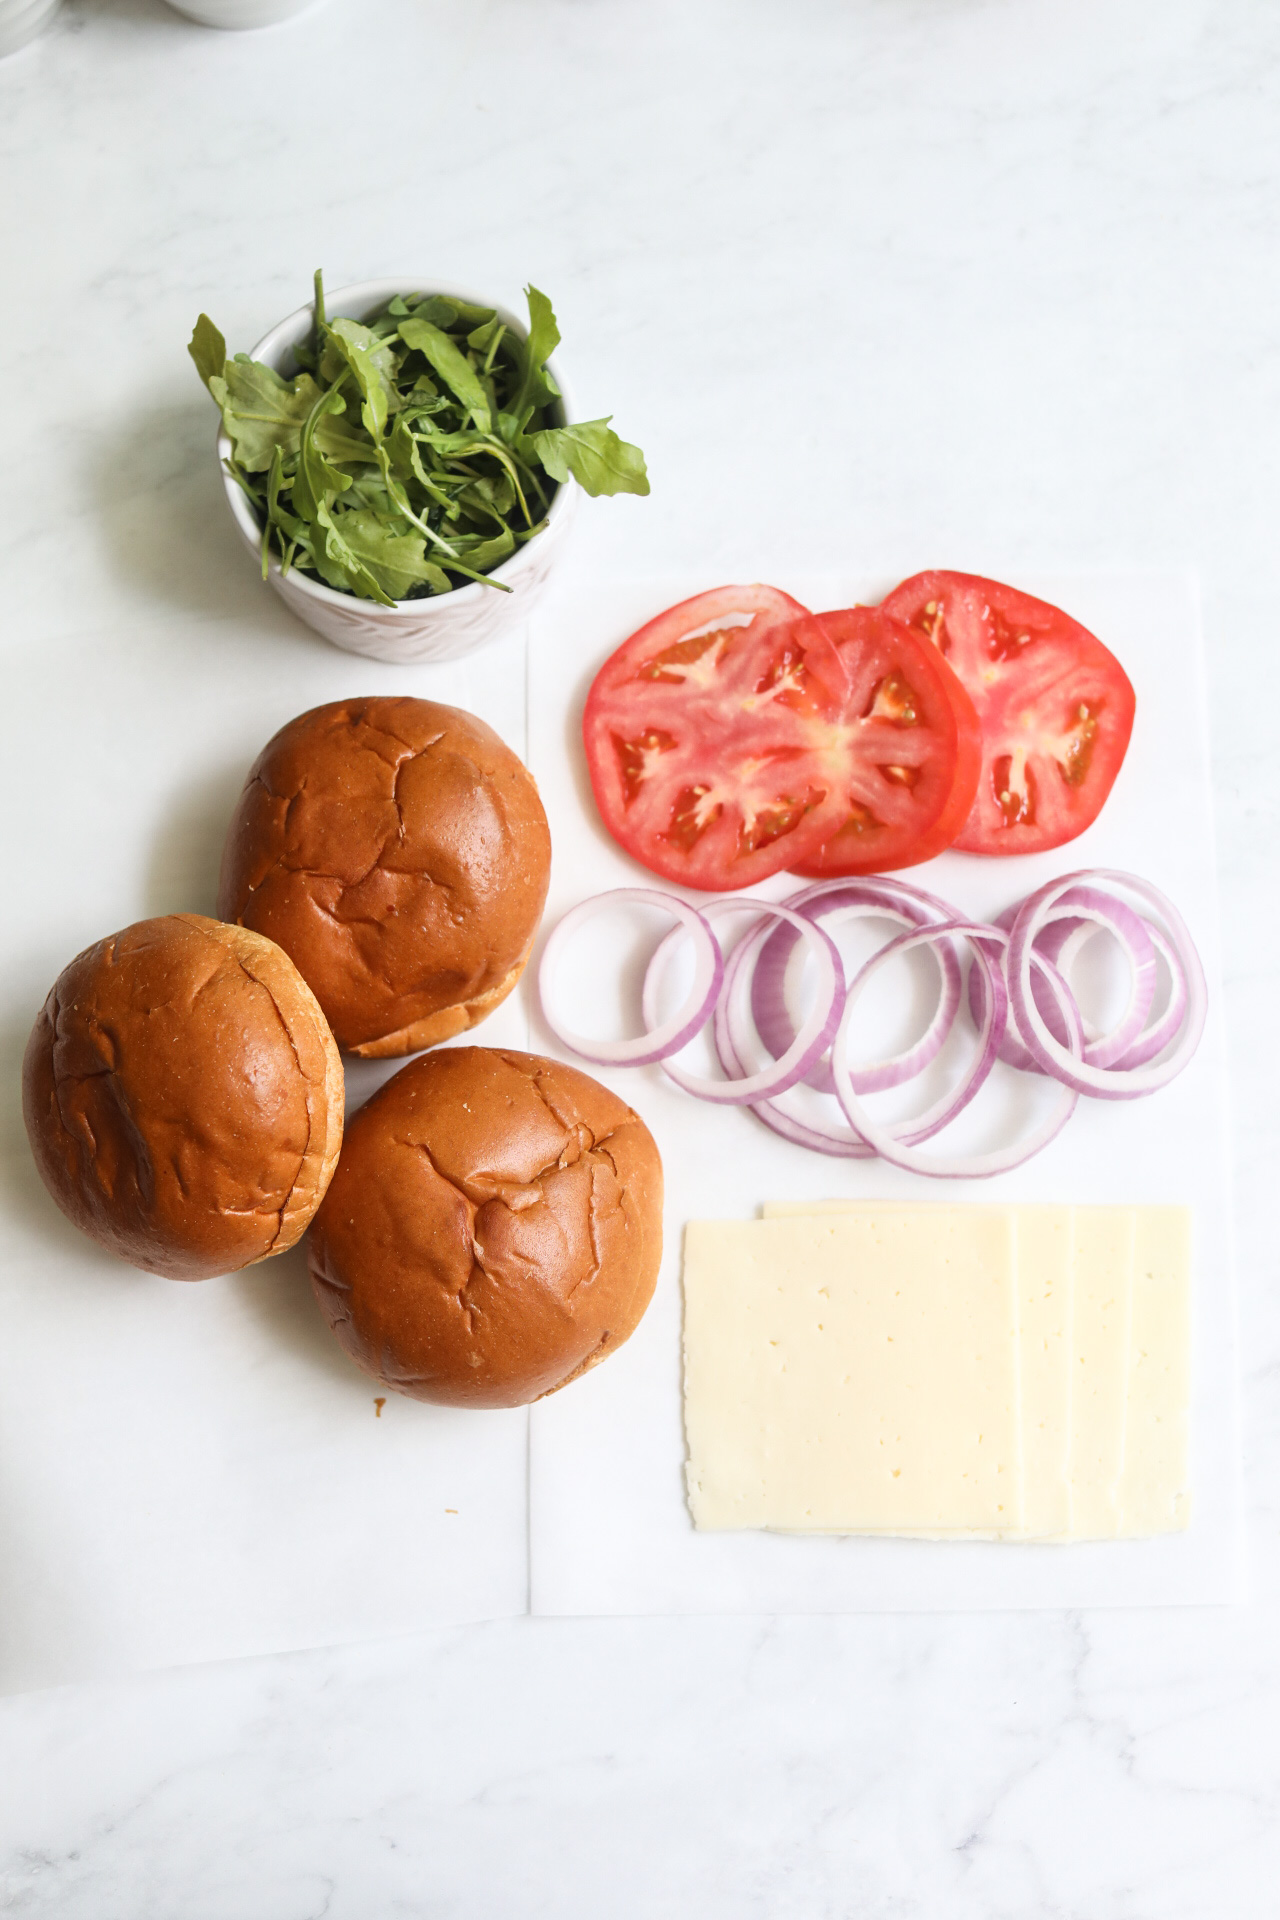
<point>993,283</point>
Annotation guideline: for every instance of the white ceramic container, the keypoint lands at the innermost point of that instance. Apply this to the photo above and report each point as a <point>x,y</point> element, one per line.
<point>22,20</point>
<point>237,14</point>
<point>444,625</point>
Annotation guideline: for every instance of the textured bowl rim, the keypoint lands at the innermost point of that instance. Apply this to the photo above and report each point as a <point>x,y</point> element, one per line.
<point>272,348</point>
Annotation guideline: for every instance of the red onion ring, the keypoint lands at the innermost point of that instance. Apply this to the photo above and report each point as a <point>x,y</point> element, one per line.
<point>842,1145</point>
<point>885,899</point>
<point>1088,906</point>
<point>838,1141</point>
<point>835,1139</point>
<point>1117,1082</point>
<point>1071,921</point>
<point>809,1044</point>
<point>659,1039</point>
<point>889,1141</point>
<point>1157,1036</point>
<point>1011,1051</point>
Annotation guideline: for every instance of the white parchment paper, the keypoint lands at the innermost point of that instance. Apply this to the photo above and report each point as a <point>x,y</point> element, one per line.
<point>609,1529</point>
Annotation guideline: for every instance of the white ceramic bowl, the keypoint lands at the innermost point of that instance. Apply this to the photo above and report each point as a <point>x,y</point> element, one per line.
<point>234,14</point>
<point>444,625</point>
<point>22,20</point>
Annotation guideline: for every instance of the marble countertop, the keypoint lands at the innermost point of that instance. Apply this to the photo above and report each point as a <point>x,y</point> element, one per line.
<point>987,282</point>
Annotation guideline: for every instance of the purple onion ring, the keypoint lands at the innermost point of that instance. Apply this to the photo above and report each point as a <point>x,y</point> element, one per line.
<point>1106,1083</point>
<point>897,1146</point>
<point>884,898</point>
<point>814,1036</point>
<point>659,1040</point>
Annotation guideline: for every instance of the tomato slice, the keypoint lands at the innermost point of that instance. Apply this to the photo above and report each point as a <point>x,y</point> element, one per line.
<point>1056,707</point>
<point>908,749</point>
<point>705,735</point>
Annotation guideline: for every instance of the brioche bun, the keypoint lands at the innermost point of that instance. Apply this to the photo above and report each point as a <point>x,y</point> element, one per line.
<point>183,1096</point>
<point>494,1228</point>
<point>399,853</point>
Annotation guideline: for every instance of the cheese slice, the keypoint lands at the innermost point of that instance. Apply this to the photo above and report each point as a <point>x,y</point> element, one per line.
<point>727,1329</point>
<point>1043,1280</point>
<point>1122,1365</point>
<point>854,1373</point>
<point>1045,1239</point>
<point>1101,1315</point>
<point>1154,1495</point>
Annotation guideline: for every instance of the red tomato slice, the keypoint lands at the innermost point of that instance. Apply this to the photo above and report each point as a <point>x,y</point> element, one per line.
<point>705,735</point>
<point>907,750</point>
<point>1056,707</point>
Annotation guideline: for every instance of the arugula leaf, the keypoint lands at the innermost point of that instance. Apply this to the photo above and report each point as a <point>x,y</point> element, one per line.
<point>306,353</point>
<point>208,349</point>
<point>338,566</point>
<point>482,554</point>
<point>453,367</point>
<point>398,500</point>
<point>494,497</point>
<point>260,411</point>
<point>407,461</point>
<point>373,365</point>
<point>544,335</point>
<point>317,481</point>
<point>277,514</point>
<point>446,312</point>
<point>337,439</point>
<point>395,560</point>
<point>592,452</point>
<point>537,389</point>
<point>482,338</point>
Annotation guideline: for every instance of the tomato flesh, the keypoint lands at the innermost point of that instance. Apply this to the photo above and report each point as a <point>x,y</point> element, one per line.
<point>1055,706</point>
<point>705,736</point>
<point>907,749</point>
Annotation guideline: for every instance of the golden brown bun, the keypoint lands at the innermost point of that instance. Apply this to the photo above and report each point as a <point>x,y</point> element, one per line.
<point>494,1228</point>
<point>399,853</point>
<point>183,1096</point>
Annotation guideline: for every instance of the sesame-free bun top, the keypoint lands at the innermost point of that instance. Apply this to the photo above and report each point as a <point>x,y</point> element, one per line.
<point>399,853</point>
<point>494,1228</point>
<point>183,1096</point>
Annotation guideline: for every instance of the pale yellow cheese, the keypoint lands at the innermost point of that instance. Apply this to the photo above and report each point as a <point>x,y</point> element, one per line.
<point>726,1344</point>
<point>853,1373</point>
<point>1045,1270</point>
<point>1097,1327</point>
<point>1155,1492</point>
<point>1101,1314</point>
<point>1043,1276</point>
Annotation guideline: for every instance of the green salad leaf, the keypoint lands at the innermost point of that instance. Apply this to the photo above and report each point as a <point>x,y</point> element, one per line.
<point>537,389</point>
<point>410,452</point>
<point>594,455</point>
<point>208,349</point>
<point>454,368</point>
<point>261,411</point>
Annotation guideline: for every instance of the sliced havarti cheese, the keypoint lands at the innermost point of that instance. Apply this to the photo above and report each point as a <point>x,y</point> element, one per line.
<point>1154,1494</point>
<point>1043,1287</point>
<point>1099,1330</point>
<point>853,1373</point>
<point>1101,1314</point>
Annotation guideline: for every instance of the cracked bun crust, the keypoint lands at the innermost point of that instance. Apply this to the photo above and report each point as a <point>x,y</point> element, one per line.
<point>399,853</point>
<point>494,1228</point>
<point>183,1096</point>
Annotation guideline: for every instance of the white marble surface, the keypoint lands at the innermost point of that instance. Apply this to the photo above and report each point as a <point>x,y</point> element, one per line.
<point>988,282</point>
